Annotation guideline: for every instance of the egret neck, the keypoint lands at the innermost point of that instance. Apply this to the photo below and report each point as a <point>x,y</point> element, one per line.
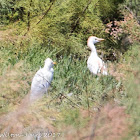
<point>93,49</point>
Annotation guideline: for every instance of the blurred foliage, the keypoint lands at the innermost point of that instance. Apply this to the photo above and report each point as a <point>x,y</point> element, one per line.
<point>132,87</point>
<point>5,10</point>
<point>133,6</point>
<point>109,9</point>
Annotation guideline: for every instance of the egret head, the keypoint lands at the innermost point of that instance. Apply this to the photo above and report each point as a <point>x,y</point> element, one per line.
<point>94,40</point>
<point>49,63</point>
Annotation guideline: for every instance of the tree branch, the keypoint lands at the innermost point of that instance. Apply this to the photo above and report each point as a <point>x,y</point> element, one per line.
<point>77,21</point>
<point>46,12</point>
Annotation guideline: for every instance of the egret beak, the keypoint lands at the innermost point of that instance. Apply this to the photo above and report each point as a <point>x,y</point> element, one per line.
<point>100,39</point>
<point>54,63</point>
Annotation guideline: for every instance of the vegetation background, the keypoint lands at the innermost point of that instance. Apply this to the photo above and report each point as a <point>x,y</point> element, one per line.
<point>102,108</point>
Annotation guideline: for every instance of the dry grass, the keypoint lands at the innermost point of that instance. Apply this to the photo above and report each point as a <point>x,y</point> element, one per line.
<point>14,86</point>
<point>108,124</point>
<point>112,123</point>
<point>29,119</point>
<point>118,70</point>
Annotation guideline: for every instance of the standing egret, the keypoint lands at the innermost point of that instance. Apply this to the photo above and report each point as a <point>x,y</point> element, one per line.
<point>94,63</point>
<point>42,80</point>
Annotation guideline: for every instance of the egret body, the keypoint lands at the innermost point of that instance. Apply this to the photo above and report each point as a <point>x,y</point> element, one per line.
<point>94,63</point>
<point>42,80</point>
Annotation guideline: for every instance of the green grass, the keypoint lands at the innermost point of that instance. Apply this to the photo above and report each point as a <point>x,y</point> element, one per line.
<point>70,76</point>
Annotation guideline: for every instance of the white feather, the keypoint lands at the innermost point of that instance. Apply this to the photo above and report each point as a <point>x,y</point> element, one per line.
<point>42,80</point>
<point>94,63</point>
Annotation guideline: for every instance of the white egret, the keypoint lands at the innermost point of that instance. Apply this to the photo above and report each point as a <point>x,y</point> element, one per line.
<point>94,63</point>
<point>42,80</point>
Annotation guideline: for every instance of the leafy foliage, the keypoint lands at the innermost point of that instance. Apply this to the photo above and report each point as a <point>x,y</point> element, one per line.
<point>132,6</point>
<point>109,9</point>
<point>61,25</point>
